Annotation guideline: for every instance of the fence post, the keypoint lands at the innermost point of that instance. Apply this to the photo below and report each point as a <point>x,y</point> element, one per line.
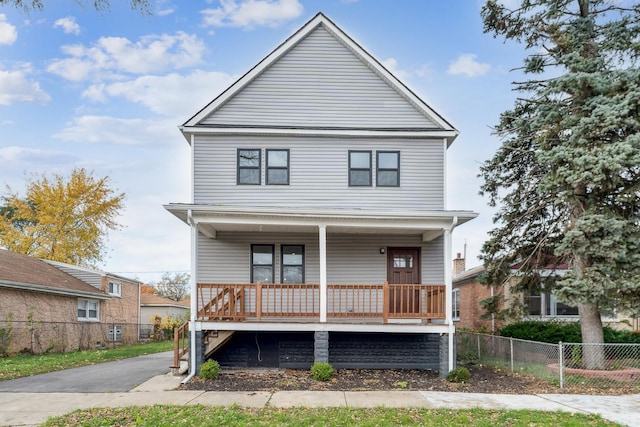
<point>478,335</point>
<point>561,363</point>
<point>511,350</point>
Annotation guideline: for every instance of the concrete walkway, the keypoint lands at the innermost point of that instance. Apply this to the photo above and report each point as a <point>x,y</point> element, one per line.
<point>30,409</point>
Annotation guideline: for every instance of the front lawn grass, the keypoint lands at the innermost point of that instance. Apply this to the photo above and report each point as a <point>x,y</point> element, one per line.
<point>27,365</point>
<point>199,415</point>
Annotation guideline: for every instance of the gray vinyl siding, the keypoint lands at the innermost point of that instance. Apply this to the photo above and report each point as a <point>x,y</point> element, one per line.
<point>351,258</point>
<point>92,278</point>
<point>319,173</point>
<point>320,83</point>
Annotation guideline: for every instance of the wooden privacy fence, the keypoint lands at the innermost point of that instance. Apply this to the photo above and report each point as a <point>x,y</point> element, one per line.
<point>254,302</point>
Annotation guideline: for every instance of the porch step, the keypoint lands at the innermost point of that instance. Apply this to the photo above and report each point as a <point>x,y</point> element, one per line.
<point>214,340</point>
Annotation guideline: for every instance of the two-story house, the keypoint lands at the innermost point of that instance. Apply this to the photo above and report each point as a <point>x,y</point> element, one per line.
<point>318,221</point>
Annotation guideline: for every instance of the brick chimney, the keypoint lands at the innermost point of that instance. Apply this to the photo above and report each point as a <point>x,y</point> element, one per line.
<point>458,265</point>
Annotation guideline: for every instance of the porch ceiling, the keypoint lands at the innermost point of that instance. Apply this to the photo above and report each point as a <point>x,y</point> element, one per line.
<point>211,219</point>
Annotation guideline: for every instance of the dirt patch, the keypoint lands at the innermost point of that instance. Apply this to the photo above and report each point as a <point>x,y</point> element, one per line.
<point>483,380</point>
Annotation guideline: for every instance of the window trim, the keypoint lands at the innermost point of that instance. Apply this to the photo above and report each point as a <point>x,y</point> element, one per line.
<point>87,318</point>
<point>258,168</point>
<point>455,305</point>
<point>268,168</point>
<point>369,169</point>
<point>283,265</point>
<point>273,256</point>
<point>548,302</point>
<point>119,290</point>
<point>379,169</point>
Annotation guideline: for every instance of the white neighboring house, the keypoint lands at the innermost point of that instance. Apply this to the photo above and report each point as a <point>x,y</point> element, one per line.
<point>318,219</point>
<point>152,305</point>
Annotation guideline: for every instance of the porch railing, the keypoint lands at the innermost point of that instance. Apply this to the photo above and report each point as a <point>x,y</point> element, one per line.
<point>257,301</point>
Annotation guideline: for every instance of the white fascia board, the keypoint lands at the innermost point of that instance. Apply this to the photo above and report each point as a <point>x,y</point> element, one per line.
<point>449,135</point>
<point>408,328</point>
<point>49,290</point>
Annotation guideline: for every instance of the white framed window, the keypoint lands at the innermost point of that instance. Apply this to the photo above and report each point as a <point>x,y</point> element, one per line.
<point>115,288</point>
<point>115,333</point>
<point>455,304</point>
<point>546,305</point>
<point>88,309</point>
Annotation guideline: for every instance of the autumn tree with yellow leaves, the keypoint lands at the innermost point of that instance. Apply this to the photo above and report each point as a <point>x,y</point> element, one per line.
<point>61,219</point>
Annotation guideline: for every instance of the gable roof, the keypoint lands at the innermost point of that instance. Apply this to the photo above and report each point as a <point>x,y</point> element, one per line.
<point>432,123</point>
<point>32,274</point>
<point>91,276</point>
<point>151,300</point>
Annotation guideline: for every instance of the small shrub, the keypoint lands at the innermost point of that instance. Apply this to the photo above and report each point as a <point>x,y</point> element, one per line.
<point>209,370</point>
<point>321,371</point>
<point>402,384</point>
<point>459,375</point>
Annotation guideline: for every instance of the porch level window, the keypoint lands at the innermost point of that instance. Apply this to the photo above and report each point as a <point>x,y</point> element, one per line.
<point>292,262</point>
<point>359,168</point>
<point>262,263</point>
<point>455,303</point>
<point>388,168</point>
<point>277,167</point>
<point>249,166</point>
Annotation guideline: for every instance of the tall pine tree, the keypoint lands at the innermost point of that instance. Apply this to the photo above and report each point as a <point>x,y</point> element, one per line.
<point>566,179</point>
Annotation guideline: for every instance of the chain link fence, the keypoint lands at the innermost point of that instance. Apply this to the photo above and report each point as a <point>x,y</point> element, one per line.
<point>37,337</point>
<point>562,364</point>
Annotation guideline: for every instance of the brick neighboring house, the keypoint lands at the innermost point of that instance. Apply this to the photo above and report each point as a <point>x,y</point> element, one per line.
<point>54,306</point>
<point>468,292</point>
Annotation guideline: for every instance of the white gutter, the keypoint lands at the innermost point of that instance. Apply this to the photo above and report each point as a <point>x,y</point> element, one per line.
<point>193,302</point>
<point>449,288</point>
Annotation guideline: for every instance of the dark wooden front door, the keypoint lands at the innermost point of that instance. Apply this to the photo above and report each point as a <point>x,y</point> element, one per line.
<point>403,268</point>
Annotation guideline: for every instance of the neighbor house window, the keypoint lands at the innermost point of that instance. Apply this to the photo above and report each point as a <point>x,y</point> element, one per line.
<point>359,168</point>
<point>115,333</point>
<point>277,167</point>
<point>292,262</point>
<point>388,168</point>
<point>455,304</point>
<point>546,305</point>
<point>115,288</point>
<point>88,309</point>
<point>249,161</point>
<point>262,263</point>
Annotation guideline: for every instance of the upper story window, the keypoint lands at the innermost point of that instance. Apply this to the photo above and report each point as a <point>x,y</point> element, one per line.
<point>277,167</point>
<point>388,168</point>
<point>88,309</point>
<point>262,263</point>
<point>249,161</point>
<point>115,288</point>
<point>455,304</point>
<point>292,263</point>
<point>359,168</point>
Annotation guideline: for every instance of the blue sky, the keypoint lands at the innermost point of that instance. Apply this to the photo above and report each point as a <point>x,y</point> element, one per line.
<point>108,90</point>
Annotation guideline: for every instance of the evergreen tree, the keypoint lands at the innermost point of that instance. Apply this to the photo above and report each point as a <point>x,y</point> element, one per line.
<point>566,178</point>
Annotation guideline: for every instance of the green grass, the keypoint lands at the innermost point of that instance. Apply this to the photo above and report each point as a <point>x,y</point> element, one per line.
<point>198,415</point>
<point>24,366</point>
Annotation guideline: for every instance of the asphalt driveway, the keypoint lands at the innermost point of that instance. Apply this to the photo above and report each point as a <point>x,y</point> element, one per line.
<point>118,376</point>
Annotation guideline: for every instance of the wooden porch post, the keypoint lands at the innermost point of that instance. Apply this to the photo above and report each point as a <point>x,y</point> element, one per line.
<point>322,235</point>
<point>258,300</point>
<point>385,302</point>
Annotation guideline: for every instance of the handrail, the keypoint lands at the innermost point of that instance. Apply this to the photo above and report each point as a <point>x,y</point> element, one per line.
<point>180,344</point>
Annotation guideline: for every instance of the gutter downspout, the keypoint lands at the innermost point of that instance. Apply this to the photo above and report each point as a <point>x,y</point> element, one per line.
<point>449,288</point>
<point>193,303</point>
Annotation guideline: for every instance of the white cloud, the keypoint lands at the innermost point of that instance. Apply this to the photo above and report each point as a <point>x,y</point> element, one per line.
<point>112,130</point>
<point>391,64</point>
<point>16,87</point>
<point>252,13</point>
<point>165,94</point>
<point>8,33</point>
<point>22,156</point>
<point>466,64</point>
<point>109,57</point>
<point>165,12</point>
<point>68,25</point>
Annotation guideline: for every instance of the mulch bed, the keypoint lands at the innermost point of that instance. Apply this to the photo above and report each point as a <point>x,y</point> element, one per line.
<point>484,379</point>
